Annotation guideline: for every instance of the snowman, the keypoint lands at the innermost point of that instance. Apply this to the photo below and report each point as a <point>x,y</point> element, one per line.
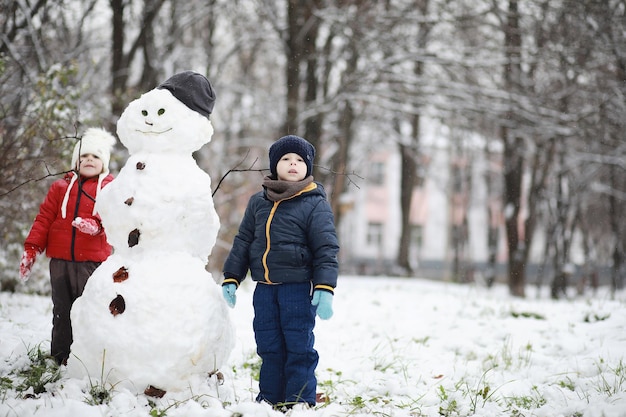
<point>151,317</point>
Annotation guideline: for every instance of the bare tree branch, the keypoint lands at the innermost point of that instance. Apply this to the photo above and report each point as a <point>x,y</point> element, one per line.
<point>28,181</point>
<point>350,181</point>
<point>235,169</point>
<point>249,169</point>
<point>49,174</point>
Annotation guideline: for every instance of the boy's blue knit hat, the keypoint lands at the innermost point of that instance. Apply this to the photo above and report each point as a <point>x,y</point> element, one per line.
<point>292,144</point>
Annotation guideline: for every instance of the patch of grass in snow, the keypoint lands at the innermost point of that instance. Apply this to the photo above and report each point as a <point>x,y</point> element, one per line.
<point>449,405</point>
<point>594,317</point>
<point>518,406</point>
<point>252,365</point>
<point>481,394</point>
<point>330,386</point>
<point>509,359</point>
<point>464,399</point>
<point>6,384</point>
<point>390,357</point>
<point>360,403</point>
<point>567,383</point>
<point>98,394</point>
<point>203,400</point>
<point>370,405</point>
<point>615,382</point>
<point>527,315</point>
<point>158,412</point>
<point>40,371</point>
<point>421,341</point>
<point>100,391</point>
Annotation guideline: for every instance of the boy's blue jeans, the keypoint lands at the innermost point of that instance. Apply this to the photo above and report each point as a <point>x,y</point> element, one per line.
<point>283,327</point>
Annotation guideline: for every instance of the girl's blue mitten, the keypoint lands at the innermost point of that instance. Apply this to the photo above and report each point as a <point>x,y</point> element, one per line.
<point>324,302</point>
<point>228,290</point>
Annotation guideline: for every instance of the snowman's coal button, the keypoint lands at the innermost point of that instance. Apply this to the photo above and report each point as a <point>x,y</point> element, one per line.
<point>129,201</point>
<point>141,165</point>
<point>153,391</point>
<point>133,238</point>
<point>117,306</point>
<point>218,375</point>
<point>120,275</point>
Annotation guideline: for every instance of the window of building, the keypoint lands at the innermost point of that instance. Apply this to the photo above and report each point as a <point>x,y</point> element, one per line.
<point>417,236</point>
<point>377,173</point>
<point>375,234</point>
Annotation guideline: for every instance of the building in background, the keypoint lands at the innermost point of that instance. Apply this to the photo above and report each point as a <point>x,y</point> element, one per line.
<point>457,224</point>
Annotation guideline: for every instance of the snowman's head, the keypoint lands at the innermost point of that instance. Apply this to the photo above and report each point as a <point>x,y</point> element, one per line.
<point>158,122</point>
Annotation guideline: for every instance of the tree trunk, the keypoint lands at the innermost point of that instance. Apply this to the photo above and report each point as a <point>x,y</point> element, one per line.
<point>513,172</point>
<point>150,73</point>
<point>119,70</point>
<point>409,154</point>
<point>492,222</point>
<point>513,158</point>
<point>313,125</point>
<point>292,69</point>
<point>408,172</point>
<point>615,220</point>
<point>120,62</point>
<point>341,160</point>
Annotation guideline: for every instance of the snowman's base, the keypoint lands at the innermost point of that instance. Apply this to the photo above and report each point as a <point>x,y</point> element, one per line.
<point>147,336</point>
<point>152,391</point>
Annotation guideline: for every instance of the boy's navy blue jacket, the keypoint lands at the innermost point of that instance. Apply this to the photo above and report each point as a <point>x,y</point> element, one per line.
<point>291,240</point>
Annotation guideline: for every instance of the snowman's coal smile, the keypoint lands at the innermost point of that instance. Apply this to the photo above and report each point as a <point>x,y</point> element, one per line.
<point>151,132</point>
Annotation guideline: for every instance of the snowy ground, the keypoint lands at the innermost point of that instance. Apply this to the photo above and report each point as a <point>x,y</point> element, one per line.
<point>395,347</point>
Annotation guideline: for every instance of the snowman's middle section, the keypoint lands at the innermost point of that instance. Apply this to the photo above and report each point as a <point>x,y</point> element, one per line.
<point>160,202</point>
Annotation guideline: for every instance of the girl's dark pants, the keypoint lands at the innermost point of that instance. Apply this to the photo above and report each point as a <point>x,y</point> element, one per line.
<point>283,327</point>
<point>67,280</point>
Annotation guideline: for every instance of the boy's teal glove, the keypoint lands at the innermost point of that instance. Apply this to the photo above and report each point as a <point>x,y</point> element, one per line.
<point>324,302</point>
<point>229,294</point>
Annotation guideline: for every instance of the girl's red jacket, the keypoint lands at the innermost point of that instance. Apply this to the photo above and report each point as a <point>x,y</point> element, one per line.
<point>56,235</point>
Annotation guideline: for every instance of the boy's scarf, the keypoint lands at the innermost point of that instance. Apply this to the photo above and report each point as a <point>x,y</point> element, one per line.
<point>277,190</point>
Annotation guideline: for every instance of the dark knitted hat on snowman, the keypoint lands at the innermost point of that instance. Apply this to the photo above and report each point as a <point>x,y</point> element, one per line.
<point>292,144</point>
<point>193,90</point>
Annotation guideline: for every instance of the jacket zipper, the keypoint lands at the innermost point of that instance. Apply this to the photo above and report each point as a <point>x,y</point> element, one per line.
<point>72,244</point>
<point>266,270</point>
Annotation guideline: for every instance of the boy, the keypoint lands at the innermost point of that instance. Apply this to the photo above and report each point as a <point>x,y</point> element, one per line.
<point>70,232</point>
<point>287,240</point>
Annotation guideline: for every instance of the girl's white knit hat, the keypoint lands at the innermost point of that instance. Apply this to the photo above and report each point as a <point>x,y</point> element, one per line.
<point>97,142</point>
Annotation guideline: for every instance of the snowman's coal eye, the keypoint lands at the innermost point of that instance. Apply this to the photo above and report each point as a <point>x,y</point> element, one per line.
<point>161,111</point>
<point>144,112</point>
